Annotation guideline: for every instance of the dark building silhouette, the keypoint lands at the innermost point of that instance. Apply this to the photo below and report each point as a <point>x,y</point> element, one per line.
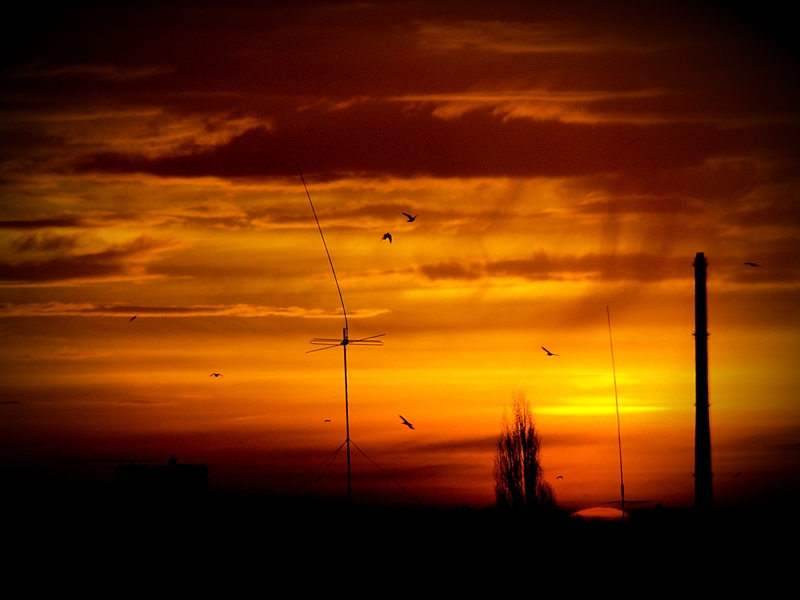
<point>703,493</point>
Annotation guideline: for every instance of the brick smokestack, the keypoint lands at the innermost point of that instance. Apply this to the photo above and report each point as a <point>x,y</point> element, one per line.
<point>703,493</point>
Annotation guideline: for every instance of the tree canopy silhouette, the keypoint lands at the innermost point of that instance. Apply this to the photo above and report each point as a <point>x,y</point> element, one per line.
<point>519,482</point>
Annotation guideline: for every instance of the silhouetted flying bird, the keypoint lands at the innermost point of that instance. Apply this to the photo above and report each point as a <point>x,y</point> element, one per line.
<point>216,375</point>
<point>410,218</point>
<point>406,422</point>
<point>387,236</point>
<point>549,353</point>
<point>749,264</point>
<point>132,318</point>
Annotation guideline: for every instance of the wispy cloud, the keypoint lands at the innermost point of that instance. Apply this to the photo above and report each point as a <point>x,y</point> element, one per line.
<point>543,266</point>
<point>505,37</point>
<point>54,309</point>
<point>67,354</point>
<point>41,223</point>
<point>106,72</point>
<point>479,143</point>
<point>46,241</point>
<point>124,261</point>
<point>635,107</point>
<point>595,410</point>
<point>639,205</point>
<point>481,445</point>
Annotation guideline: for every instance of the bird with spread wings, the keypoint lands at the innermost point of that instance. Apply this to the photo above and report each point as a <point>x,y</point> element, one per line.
<point>406,422</point>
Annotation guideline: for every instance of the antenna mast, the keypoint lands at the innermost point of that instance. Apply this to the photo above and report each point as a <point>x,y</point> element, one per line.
<point>616,402</point>
<point>344,342</point>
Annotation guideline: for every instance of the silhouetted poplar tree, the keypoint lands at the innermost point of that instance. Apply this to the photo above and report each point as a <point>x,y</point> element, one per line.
<point>519,482</point>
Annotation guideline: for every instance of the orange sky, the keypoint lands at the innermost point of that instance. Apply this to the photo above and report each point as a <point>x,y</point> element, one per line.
<point>560,161</point>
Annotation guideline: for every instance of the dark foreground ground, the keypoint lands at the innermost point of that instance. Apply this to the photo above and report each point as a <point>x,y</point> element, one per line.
<point>105,541</point>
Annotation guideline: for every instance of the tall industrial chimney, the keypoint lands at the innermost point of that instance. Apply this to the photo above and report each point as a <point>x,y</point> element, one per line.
<point>703,493</point>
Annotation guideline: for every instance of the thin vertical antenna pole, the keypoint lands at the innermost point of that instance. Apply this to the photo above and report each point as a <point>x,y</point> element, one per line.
<point>347,425</point>
<point>616,402</point>
<point>330,260</point>
<point>344,343</point>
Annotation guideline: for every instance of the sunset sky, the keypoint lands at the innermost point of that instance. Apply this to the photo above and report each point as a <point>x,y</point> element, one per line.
<point>562,158</point>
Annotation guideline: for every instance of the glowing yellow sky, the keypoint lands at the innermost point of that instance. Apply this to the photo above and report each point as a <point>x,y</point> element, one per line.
<point>560,163</point>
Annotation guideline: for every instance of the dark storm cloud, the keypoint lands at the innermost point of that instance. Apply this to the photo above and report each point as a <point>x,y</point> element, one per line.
<point>384,139</point>
<point>349,49</point>
<point>289,65</point>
